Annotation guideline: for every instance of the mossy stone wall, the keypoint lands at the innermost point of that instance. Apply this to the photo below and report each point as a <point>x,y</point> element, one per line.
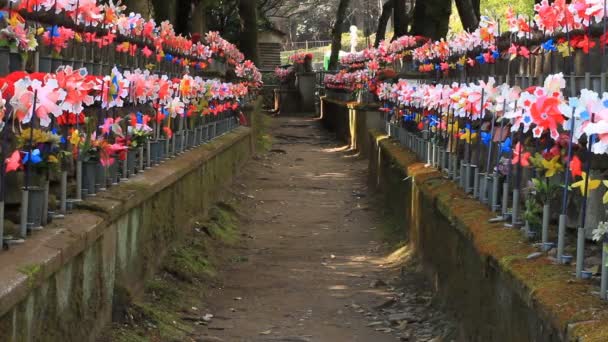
<point>69,297</point>
<point>479,269</point>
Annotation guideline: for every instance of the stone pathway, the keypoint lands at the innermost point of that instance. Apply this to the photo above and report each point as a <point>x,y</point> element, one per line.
<point>313,265</point>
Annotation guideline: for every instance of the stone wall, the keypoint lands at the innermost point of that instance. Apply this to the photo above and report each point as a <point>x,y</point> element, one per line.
<point>480,270</point>
<point>351,122</point>
<point>61,284</point>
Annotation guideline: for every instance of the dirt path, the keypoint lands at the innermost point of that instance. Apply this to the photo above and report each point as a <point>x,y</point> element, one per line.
<point>313,266</point>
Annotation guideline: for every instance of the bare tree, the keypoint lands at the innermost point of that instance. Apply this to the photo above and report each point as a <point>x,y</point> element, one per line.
<point>431,18</point>
<point>249,30</point>
<point>387,10</point>
<point>400,17</point>
<point>469,13</point>
<point>336,34</point>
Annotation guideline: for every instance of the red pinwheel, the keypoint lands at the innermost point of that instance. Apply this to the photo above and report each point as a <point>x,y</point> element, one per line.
<point>576,166</point>
<point>13,163</point>
<point>520,156</point>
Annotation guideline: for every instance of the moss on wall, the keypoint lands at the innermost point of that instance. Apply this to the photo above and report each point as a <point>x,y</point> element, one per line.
<point>481,272</point>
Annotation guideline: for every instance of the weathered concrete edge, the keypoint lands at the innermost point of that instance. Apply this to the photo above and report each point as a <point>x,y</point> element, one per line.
<point>52,248</point>
<point>352,104</point>
<point>547,288</point>
<point>131,194</point>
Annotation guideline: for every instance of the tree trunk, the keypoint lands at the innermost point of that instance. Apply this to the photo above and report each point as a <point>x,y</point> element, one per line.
<point>336,35</point>
<point>199,18</point>
<point>387,10</point>
<point>249,30</point>
<point>477,6</point>
<point>400,18</point>
<point>431,18</point>
<point>468,14</point>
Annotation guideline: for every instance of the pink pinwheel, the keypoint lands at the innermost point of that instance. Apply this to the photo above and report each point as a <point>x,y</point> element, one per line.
<point>513,51</point>
<point>547,114</point>
<point>13,163</point>
<point>146,52</point>
<point>524,52</point>
<point>88,13</point>
<point>77,87</point>
<point>108,124</point>
<point>48,98</point>
<point>547,16</point>
<point>175,107</point>
<point>22,100</point>
<point>599,126</point>
<point>520,156</point>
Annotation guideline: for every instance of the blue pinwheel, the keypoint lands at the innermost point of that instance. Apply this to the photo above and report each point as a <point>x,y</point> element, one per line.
<point>36,158</point>
<point>61,139</point>
<point>53,31</point>
<point>480,59</point>
<point>486,137</point>
<point>549,45</point>
<point>505,146</point>
<point>410,117</point>
<point>495,54</point>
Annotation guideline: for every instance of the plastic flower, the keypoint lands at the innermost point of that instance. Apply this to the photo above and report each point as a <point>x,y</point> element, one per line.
<point>584,187</point>
<point>468,135</point>
<point>520,156</point>
<point>576,167</point>
<point>13,163</point>
<point>75,137</point>
<point>552,166</point>
<point>602,229</point>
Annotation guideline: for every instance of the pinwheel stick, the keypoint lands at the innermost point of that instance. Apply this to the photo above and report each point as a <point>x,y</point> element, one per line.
<point>603,65</point>
<point>489,155</point>
<point>482,113</point>
<point>580,243</point>
<point>517,185</point>
<point>3,177</point>
<point>561,232</point>
<point>28,164</point>
<point>588,155</point>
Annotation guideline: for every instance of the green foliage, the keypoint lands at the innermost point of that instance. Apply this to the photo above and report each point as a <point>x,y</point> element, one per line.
<point>544,191</point>
<point>495,9</point>
<point>31,271</point>
<point>533,213</point>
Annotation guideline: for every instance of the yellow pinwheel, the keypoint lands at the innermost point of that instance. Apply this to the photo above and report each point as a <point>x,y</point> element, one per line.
<point>593,184</point>
<point>563,49</point>
<point>552,166</point>
<point>75,137</point>
<point>462,60</point>
<point>605,199</point>
<point>468,136</point>
<point>453,127</point>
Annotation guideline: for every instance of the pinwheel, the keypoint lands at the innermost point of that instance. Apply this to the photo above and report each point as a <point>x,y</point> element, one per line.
<point>13,163</point>
<point>486,138</point>
<point>31,158</point>
<point>77,88</point>
<point>57,37</point>
<point>175,107</point>
<point>520,156</point>
<point>576,167</point>
<point>585,185</point>
<point>114,88</point>
<point>48,97</point>
<point>468,134</point>
<point>547,112</point>
<point>22,100</point>
<point>552,166</point>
